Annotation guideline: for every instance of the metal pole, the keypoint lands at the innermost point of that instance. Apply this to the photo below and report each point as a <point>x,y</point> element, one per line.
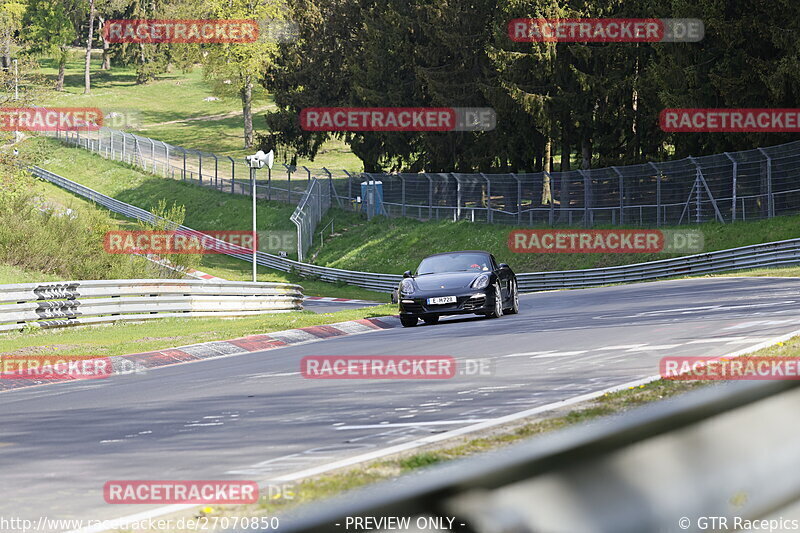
<point>658,194</point>
<point>488,197</point>
<point>183,176</point>
<point>587,214</point>
<point>770,199</point>
<point>253,193</point>
<point>216,171</point>
<point>200,162</point>
<point>733,201</point>
<point>402,195</point>
<point>519,198</point>
<point>622,196</point>
<point>233,173</point>
<point>430,196</point>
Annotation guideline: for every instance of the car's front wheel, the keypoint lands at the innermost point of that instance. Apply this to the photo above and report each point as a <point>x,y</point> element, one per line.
<point>408,321</point>
<point>498,303</point>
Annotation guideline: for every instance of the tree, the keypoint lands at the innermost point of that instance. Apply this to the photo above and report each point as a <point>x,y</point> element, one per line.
<point>48,28</point>
<point>243,63</point>
<point>11,12</point>
<point>87,75</point>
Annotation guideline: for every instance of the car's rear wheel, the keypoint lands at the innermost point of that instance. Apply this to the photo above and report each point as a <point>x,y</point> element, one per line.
<point>514,309</point>
<point>430,319</point>
<point>498,303</point>
<point>408,321</point>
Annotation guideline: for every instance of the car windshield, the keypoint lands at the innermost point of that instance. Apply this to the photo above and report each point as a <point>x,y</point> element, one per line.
<point>454,263</point>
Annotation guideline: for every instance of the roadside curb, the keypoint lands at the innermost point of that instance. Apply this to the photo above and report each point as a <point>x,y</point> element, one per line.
<point>125,364</point>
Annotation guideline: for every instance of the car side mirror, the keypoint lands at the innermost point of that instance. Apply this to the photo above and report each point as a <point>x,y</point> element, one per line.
<point>407,274</point>
<point>503,266</point>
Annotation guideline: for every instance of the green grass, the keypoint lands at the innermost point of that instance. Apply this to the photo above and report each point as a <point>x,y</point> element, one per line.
<point>176,96</point>
<point>134,337</point>
<point>363,245</point>
<point>14,274</point>
<point>206,209</point>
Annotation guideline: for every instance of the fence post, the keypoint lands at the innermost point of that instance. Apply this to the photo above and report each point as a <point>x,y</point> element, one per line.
<point>733,184</point>
<point>658,194</point>
<point>183,174</point>
<point>289,174</point>
<point>152,155</point>
<point>489,216</point>
<point>430,196</point>
<point>519,198</point>
<point>233,174</point>
<point>216,171</point>
<point>111,146</point>
<point>309,175</point>
<point>124,145</point>
<point>770,199</point>
<point>587,195</point>
<point>168,168</point>
<point>622,196</point>
<point>200,164</point>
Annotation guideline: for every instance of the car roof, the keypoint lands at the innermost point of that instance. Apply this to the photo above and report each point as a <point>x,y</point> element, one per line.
<point>460,252</point>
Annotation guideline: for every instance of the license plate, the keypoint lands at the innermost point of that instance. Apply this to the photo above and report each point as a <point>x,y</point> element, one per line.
<point>442,300</point>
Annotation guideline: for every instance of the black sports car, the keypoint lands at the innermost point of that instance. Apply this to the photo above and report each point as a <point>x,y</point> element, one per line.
<point>457,283</point>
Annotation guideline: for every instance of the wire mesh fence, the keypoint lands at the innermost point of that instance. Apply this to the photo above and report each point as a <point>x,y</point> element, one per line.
<point>747,185</point>
<point>312,207</point>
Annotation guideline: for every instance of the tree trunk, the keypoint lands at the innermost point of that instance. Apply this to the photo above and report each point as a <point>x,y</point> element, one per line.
<point>62,65</point>
<point>106,48</point>
<point>6,59</point>
<point>87,73</point>
<point>247,110</point>
<point>546,193</point>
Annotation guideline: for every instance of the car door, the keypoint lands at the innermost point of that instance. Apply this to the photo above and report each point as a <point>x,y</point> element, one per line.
<point>504,276</point>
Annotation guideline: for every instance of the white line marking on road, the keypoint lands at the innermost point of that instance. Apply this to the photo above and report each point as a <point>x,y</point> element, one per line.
<point>559,354</point>
<point>522,354</point>
<point>430,439</point>
<point>620,347</point>
<point>413,424</point>
<point>647,348</point>
<point>717,339</point>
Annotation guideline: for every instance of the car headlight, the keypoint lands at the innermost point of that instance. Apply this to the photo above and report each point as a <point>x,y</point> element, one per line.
<point>481,282</point>
<point>406,286</point>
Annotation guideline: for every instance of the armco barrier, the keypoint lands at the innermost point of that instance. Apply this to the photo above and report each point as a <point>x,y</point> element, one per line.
<point>71,303</point>
<point>722,452</point>
<point>770,254</point>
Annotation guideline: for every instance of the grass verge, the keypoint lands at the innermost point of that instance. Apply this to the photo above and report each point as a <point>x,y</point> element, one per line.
<point>132,337</point>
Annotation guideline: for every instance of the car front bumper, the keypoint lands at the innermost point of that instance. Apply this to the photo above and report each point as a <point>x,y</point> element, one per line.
<point>471,302</point>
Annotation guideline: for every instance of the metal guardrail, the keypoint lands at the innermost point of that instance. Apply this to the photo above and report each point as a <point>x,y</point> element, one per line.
<point>71,303</point>
<point>724,451</point>
<point>771,254</point>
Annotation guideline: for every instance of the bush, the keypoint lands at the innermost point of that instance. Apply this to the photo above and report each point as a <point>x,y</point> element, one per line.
<point>67,243</point>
